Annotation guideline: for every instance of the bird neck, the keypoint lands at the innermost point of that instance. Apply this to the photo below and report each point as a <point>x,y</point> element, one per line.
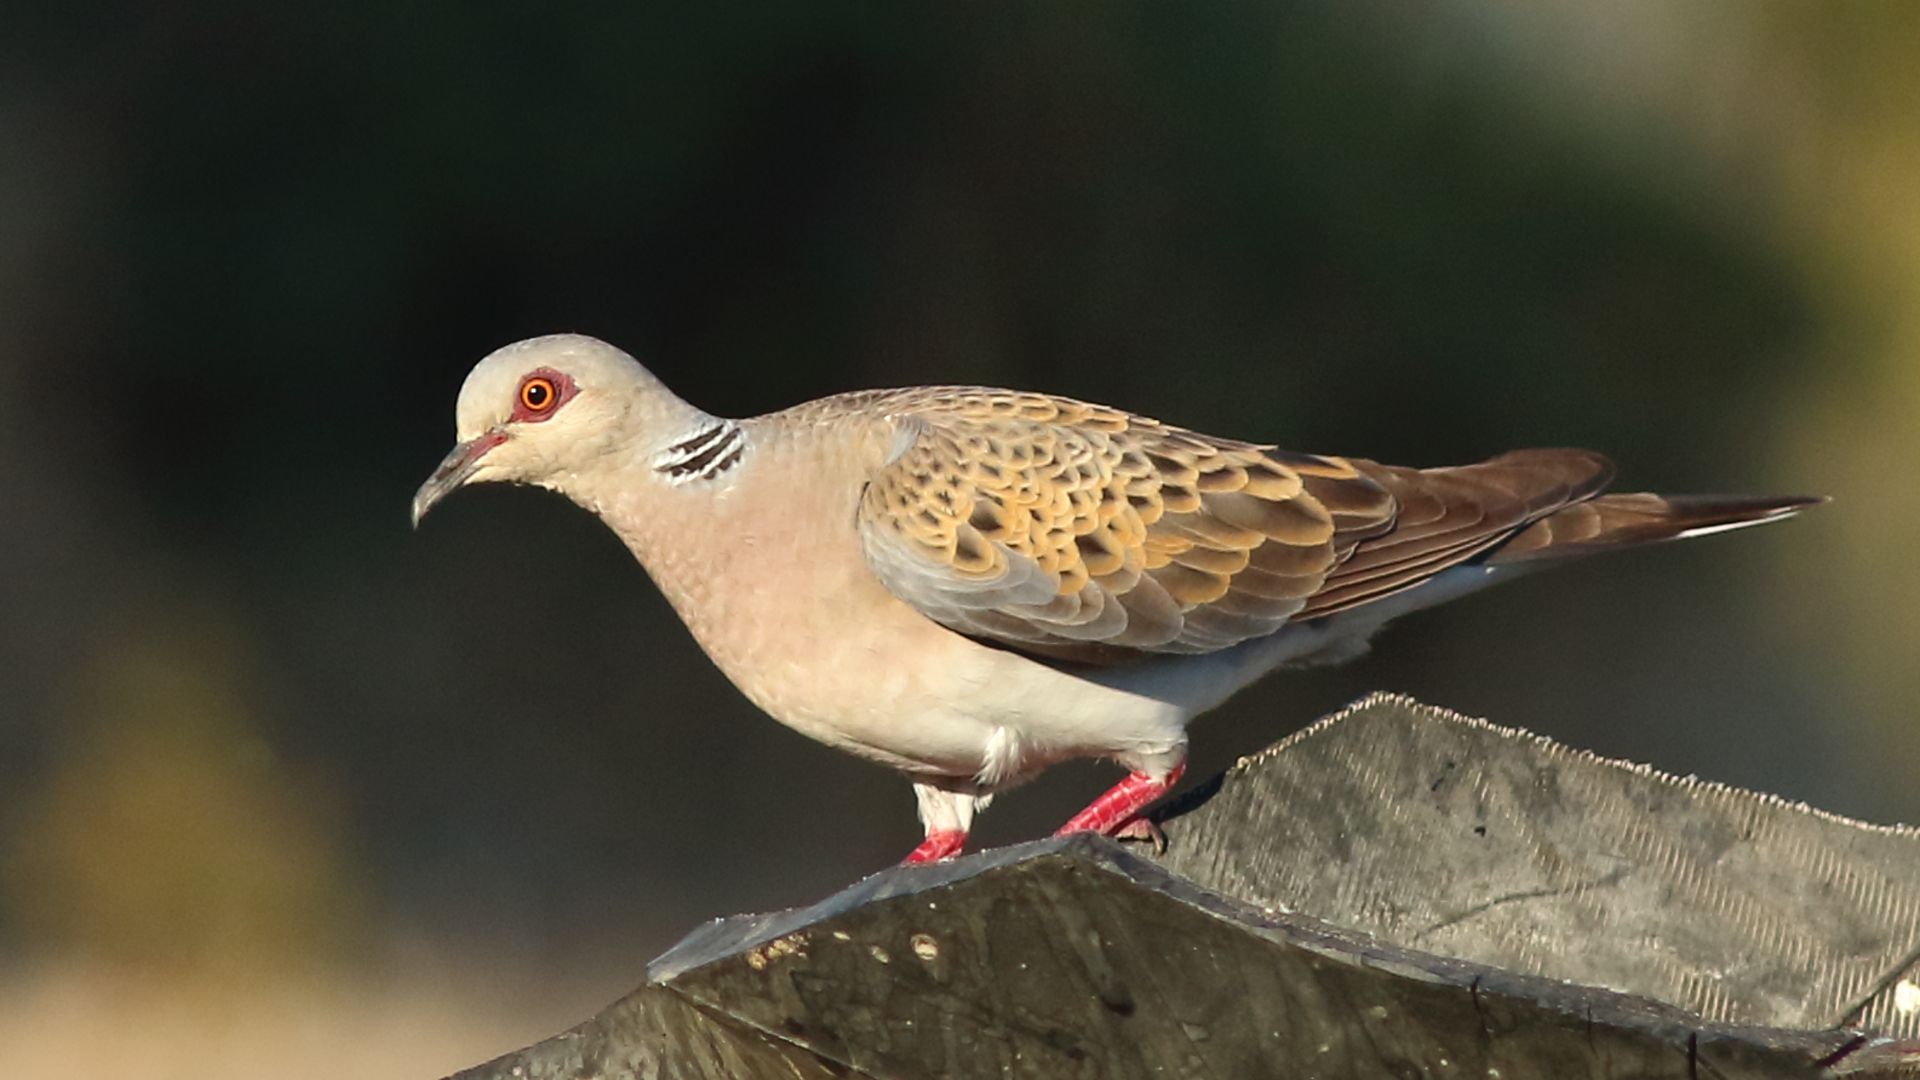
<point>658,491</point>
<point>712,450</point>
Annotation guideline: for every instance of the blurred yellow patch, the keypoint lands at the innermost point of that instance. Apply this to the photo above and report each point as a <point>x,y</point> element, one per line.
<point>168,835</point>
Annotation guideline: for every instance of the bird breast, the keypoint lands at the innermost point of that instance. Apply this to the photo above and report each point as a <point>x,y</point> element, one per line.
<point>767,572</point>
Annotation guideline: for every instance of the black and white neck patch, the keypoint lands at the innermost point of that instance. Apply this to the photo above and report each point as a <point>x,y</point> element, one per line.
<point>704,455</point>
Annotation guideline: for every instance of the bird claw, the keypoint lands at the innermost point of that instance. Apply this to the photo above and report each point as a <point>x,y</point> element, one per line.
<point>1143,829</point>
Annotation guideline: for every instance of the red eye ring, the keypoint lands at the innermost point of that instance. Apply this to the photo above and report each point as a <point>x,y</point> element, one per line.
<point>542,391</point>
<point>538,394</point>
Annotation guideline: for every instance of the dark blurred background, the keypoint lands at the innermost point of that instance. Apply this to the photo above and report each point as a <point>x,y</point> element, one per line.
<point>288,789</point>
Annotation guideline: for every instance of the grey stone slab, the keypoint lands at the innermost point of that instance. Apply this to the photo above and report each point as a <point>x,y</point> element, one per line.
<point>1079,960</point>
<point>1075,958</point>
<point>1461,838</point>
<point>1395,891</point>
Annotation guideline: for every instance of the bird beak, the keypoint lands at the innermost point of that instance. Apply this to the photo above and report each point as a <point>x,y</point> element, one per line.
<point>455,469</point>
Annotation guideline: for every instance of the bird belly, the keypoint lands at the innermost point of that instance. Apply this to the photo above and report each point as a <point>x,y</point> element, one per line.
<point>905,692</point>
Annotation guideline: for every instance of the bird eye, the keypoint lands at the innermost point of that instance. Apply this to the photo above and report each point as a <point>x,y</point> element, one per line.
<point>542,392</point>
<point>537,394</point>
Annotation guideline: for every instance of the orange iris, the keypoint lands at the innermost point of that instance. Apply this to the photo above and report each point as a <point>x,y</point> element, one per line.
<point>537,394</point>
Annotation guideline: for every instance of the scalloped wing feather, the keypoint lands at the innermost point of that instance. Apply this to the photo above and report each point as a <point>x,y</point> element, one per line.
<point>1086,533</point>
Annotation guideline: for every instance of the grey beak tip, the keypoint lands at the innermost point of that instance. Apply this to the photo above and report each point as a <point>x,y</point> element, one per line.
<point>455,469</point>
<point>423,503</point>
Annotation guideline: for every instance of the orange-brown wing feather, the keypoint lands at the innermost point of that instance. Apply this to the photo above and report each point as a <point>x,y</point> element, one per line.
<point>1086,533</point>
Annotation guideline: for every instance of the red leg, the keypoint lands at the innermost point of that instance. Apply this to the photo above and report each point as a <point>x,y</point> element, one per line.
<point>939,844</point>
<point>1120,807</point>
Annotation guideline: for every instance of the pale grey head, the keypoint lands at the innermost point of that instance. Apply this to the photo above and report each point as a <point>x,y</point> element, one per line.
<point>547,410</point>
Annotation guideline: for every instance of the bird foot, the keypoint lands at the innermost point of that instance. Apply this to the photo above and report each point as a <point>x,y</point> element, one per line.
<point>1117,813</point>
<point>1141,828</point>
<point>939,844</point>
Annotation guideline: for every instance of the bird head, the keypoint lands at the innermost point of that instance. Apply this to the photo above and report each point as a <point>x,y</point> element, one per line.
<point>546,411</point>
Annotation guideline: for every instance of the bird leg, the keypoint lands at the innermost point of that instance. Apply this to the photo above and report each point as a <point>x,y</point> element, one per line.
<point>939,844</point>
<point>946,812</point>
<point>1117,813</point>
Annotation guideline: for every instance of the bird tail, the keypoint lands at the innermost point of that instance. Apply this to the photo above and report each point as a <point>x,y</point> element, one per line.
<point>1615,521</point>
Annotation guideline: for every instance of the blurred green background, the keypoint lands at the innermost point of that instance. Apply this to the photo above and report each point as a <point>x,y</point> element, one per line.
<point>287,789</point>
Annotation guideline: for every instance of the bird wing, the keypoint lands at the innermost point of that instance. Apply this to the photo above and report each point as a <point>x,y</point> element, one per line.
<point>1451,515</point>
<point>1085,533</point>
